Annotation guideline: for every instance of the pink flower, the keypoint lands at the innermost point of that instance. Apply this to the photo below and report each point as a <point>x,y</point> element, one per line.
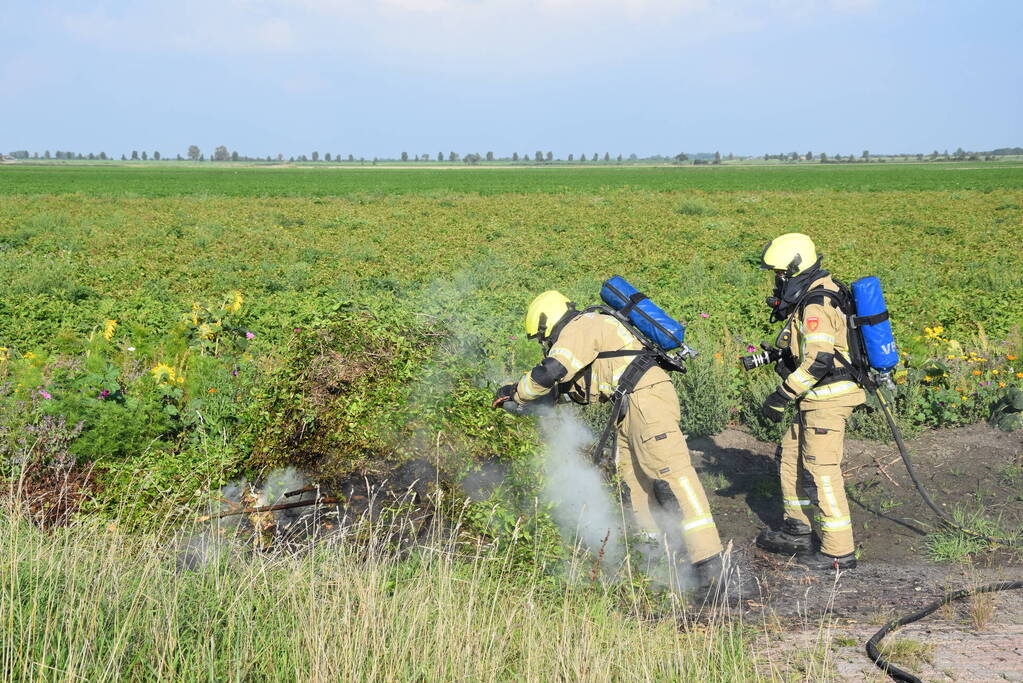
<point>43,393</point>
<point>750,348</point>
<point>249,335</point>
<point>298,329</point>
<point>704,315</point>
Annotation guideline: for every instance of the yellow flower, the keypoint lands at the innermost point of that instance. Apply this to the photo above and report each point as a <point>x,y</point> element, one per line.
<point>1011,357</point>
<point>1001,385</point>
<point>994,372</point>
<point>976,372</point>
<point>964,398</point>
<point>163,373</point>
<point>1019,375</point>
<point>950,357</point>
<point>29,355</point>
<point>235,303</point>
<point>108,329</point>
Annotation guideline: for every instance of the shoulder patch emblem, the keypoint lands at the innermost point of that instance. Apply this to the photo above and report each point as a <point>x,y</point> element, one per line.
<point>812,322</point>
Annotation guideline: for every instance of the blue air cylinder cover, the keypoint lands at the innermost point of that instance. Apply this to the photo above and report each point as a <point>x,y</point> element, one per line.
<point>882,354</point>
<point>663,330</point>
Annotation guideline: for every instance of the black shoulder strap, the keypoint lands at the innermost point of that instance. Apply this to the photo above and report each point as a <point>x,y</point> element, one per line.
<point>841,300</point>
<point>620,400</point>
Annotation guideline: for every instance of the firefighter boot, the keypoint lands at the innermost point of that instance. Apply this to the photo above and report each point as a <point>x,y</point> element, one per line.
<point>793,538</point>
<point>824,562</point>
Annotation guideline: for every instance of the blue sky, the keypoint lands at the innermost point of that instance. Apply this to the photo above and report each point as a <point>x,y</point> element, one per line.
<point>378,77</point>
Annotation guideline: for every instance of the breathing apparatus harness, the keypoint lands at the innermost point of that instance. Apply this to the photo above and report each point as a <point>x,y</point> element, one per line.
<point>790,294</point>
<point>643,359</point>
<point>634,305</point>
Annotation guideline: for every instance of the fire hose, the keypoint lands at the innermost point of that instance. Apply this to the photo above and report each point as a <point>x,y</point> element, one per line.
<point>872,645</point>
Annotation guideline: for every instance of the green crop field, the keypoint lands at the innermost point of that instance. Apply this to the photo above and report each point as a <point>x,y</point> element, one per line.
<point>118,279</point>
<point>171,180</point>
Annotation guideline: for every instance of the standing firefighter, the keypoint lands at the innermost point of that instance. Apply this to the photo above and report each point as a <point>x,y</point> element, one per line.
<point>813,358</point>
<point>591,355</point>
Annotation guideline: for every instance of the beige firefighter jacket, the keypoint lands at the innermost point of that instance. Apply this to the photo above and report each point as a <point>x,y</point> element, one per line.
<point>575,349</point>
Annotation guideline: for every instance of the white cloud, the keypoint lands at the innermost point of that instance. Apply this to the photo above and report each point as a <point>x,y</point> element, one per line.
<point>464,34</point>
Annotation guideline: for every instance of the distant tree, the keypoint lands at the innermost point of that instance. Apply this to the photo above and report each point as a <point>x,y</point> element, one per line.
<point>473,159</point>
<point>404,156</point>
<point>866,155</point>
<point>619,158</point>
<point>326,157</point>
<point>515,156</point>
<point>633,157</point>
<point>809,156</point>
<point>103,156</point>
<point>178,158</point>
<point>731,157</point>
<point>202,157</point>
<point>960,153</point>
<point>374,161</point>
<point>425,157</point>
<point>596,157</point>
<point>919,157</point>
<point>452,156</point>
<point>794,156</point>
<point>538,155</point>
<point>90,156</point>
<point>717,157</point>
<point>823,157</point>
<point>193,153</point>
<point>351,157</point>
<point>440,156</point>
<point>145,157</point>
<point>234,156</point>
<point>316,156</point>
<point>46,154</point>
<point>221,154</point>
<point>681,156</point>
<point>582,157</point>
<point>607,156</point>
<point>134,155</point>
<point>550,156</point>
<point>490,156</point>
<point>156,155</point>
<point>571,157</point>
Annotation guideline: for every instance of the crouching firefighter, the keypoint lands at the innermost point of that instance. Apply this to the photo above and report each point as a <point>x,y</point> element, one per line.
<point>816,360</point>
<point>593,355</point>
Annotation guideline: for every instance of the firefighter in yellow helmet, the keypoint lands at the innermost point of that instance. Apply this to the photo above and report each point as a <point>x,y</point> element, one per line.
<point>588,356</point>
<point>815,368</point>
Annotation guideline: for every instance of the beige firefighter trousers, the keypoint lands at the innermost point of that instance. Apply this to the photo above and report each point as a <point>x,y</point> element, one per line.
<point>653,462</point>
<point>811,474</point>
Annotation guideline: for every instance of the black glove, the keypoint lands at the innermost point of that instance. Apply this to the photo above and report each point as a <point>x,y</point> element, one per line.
<point>504,394</point>
<point>774,406</point>
<point>786,365</point>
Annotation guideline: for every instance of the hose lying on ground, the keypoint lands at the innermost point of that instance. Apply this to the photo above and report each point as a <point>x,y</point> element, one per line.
<point>894,671</point>
<point>872,650</point>
<point>904,452</point>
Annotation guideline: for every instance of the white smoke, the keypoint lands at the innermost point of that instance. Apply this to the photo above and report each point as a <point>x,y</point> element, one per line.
<point>583,507</point>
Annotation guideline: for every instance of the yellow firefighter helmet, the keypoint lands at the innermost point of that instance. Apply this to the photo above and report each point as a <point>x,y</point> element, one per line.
<point>544,313</point>
<point>793,253</point>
